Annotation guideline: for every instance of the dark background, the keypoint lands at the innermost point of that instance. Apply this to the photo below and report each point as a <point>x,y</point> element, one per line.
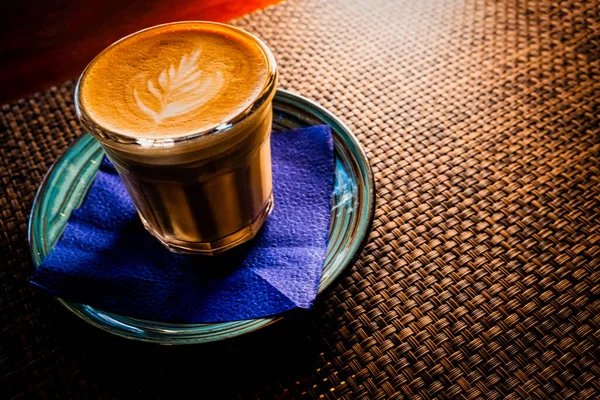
<point>44,43</point>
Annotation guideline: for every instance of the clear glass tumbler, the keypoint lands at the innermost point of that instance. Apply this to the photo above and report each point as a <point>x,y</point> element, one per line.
<point>204,192</point>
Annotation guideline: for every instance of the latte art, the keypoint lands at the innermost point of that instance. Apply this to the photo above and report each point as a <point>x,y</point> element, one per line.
<point>181,89</point>
<point>174,80</point>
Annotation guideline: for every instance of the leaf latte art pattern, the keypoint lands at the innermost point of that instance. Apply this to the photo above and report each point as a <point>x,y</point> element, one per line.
<point>179,89</point>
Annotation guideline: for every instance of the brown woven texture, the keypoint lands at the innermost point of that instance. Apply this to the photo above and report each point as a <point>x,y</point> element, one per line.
<point>481,278</point>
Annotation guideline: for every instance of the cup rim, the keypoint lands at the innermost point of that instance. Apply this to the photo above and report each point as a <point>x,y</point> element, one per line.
<point>108,136</point>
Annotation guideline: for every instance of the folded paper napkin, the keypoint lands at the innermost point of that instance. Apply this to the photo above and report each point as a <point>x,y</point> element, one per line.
<point>106,259</point>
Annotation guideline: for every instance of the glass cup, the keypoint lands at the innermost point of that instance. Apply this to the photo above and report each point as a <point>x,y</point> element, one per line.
<point>207,191</point>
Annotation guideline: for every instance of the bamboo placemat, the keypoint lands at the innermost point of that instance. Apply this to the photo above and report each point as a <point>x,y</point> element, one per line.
<point>482,274</point>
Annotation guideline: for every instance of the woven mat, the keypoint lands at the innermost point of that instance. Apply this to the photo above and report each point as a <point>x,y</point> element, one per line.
<point>482,274</point>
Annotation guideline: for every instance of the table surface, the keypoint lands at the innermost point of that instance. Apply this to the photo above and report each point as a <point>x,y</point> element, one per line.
<point>481,277</point>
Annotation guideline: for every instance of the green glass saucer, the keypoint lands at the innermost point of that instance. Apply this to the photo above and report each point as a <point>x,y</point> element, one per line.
<point>66,183</point>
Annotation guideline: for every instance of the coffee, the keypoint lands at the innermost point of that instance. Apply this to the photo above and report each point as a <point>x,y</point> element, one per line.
<point>174,80</point>
<point>184,112</point>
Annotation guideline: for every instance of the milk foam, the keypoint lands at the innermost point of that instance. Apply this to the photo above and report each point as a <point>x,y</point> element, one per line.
<point>174,80</point>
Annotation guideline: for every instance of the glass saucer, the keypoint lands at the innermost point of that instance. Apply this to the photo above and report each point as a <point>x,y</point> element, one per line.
<point>66,183</point>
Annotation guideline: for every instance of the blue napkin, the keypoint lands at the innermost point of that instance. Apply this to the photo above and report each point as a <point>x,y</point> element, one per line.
<point>105,258</point>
